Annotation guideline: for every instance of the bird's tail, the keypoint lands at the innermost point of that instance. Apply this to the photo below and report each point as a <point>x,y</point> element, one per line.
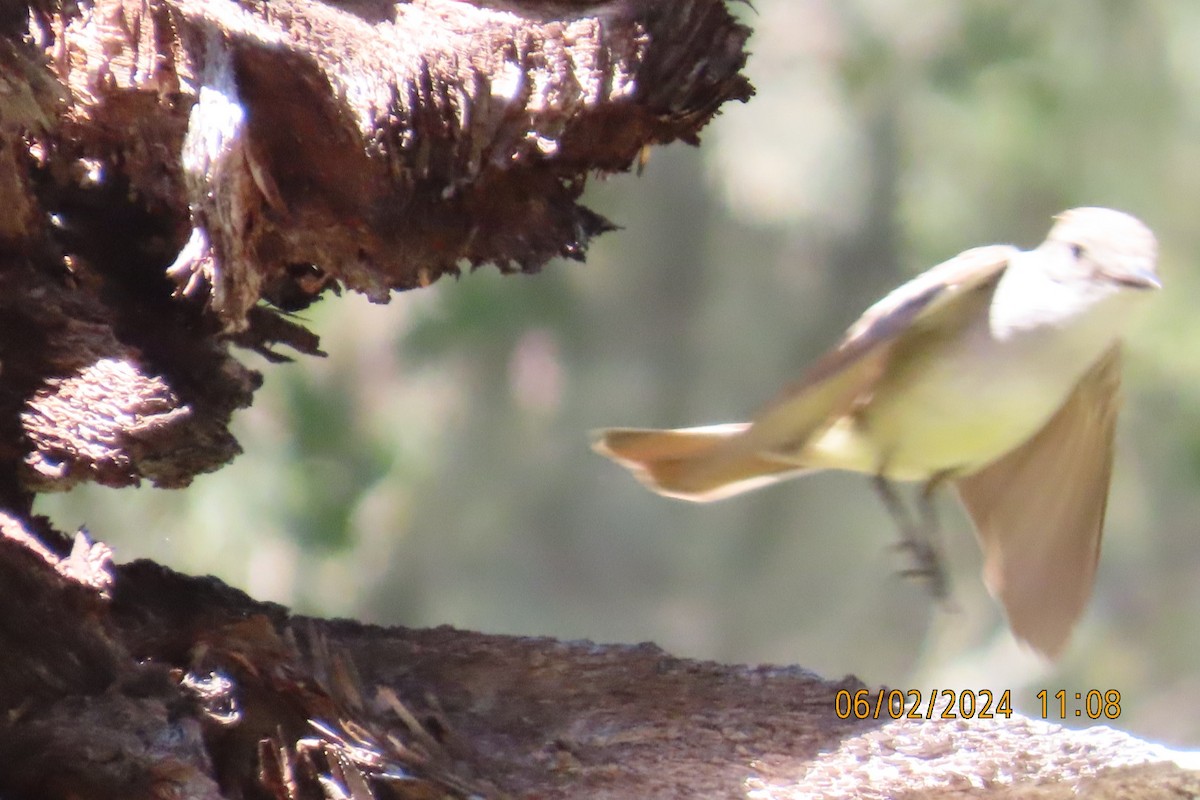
<point>696,464</point>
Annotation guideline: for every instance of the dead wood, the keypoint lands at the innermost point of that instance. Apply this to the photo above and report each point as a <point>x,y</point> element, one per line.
<point>170,686</point>
<point>179,175</point>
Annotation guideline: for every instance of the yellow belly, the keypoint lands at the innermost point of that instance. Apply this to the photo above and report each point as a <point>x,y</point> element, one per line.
<point>918,451</point>
<point>954,413</point>
<point>962,391</point>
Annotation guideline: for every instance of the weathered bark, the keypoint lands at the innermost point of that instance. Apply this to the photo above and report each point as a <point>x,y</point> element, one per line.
<point>182,687</point>
<point>176,175</point>
<point>179,174</point>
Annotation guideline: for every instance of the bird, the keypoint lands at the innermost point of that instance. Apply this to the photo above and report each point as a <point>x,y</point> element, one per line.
<point>998,372</point>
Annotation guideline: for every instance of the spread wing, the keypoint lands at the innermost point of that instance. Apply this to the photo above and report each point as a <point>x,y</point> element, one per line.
<point>1039,512</point>
<point>849,370</point>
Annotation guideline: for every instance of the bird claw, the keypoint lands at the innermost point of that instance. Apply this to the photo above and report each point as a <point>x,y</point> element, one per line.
<point>927,565</point>
<point>918,536</point>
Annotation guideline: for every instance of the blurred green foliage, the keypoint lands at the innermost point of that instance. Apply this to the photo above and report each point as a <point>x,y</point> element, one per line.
<point>435,469</point>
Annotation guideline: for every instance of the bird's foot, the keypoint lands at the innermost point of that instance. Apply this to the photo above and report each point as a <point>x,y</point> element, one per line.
<point>927,565</point>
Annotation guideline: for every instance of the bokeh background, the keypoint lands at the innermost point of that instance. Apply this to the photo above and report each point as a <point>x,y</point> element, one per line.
<point>435,468</point>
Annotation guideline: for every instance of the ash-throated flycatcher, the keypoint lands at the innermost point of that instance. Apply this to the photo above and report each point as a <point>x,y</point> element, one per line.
<point>997,370</point>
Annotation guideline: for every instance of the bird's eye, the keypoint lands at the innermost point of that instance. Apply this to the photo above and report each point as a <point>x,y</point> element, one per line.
<point>1077,250</point>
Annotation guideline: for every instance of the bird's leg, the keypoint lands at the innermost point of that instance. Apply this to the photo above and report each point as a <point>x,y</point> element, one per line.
<point>895,507</point>
<point>910,536</point>
<point>919,538</point>
<point>931,555</point>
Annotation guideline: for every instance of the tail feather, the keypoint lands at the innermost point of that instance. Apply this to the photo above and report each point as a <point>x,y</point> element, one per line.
<point>696,464</point>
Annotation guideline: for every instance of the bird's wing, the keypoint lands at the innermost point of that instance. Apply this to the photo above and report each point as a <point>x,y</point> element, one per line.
<point>845,373</point>
<point>1039,512</point>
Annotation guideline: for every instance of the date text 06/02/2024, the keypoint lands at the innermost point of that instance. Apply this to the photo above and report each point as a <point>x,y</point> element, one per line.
<point>971,704</point>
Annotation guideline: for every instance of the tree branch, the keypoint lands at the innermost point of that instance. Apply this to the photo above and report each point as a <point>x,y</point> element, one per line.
<point>182,173</point>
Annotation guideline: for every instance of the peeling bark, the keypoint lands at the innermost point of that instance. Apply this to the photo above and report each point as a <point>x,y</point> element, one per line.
<point>180,174</point>
<point>176,176</point>
<point>183,687</point>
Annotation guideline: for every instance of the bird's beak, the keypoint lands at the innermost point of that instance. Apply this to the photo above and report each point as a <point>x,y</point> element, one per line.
<point>1138,278</point>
